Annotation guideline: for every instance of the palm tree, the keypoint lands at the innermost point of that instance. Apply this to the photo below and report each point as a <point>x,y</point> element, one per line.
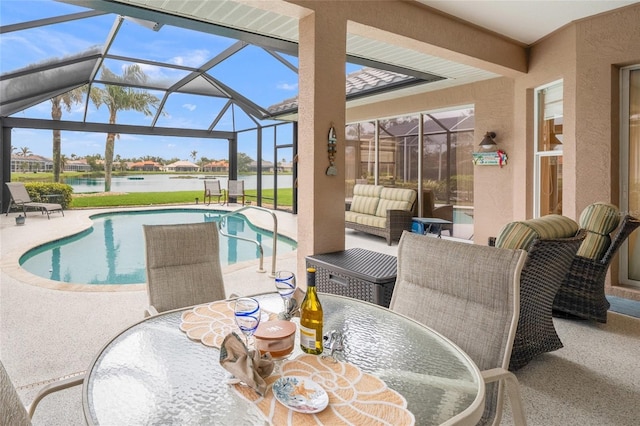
<point>63,163</point>
<point>24,152</point>
<point>67,100</point>
<point>193,155</point>
<point>121,97</point>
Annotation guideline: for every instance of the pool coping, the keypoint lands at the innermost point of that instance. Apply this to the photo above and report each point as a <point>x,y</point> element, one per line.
<point>15,241</point>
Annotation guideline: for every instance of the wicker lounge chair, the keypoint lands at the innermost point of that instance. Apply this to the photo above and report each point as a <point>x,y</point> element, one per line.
<point>582,293</point>
<point>551,242</point>
<point>429,209</point>
<point>470,294</point>
<point>212,189</point>
<point>547,264</point>
<point>20,198</point>
<point>183,266</point>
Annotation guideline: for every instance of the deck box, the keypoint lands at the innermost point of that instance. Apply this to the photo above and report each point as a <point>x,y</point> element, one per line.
<point>358,273</point>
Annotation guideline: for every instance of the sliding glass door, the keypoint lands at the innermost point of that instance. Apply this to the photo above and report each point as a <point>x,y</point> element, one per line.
<point>630,171</point>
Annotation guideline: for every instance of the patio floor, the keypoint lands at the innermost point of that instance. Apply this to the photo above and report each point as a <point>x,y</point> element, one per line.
<point>49,331</point>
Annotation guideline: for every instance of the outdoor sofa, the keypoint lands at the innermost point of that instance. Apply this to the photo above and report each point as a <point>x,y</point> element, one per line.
<point>381,211</point>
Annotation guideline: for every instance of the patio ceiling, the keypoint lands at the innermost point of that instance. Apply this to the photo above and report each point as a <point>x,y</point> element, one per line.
<point>274,25</point>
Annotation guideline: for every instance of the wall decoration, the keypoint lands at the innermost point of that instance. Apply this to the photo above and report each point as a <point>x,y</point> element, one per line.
<point>496,158</point>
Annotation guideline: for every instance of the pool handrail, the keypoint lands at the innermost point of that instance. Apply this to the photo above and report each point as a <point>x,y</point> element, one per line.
<point>257,243</point>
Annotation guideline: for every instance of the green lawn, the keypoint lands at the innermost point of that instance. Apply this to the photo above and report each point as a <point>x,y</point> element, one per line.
<point>285,198</point>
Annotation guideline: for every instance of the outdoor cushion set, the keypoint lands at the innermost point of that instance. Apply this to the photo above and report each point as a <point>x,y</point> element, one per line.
<point>564,274</point>
<point>381,211</point>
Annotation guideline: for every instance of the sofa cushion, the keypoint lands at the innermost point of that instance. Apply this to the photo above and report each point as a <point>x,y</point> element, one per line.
<point>366,198</point>
<point>395,199</point>
<point>599,220</point>
<point>375,221</point>
<point>520,234</point>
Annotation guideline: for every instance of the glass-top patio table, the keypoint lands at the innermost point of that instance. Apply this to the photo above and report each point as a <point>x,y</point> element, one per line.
<point>391,367</point>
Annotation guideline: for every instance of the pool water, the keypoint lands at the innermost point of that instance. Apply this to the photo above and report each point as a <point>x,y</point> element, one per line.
<point>113,250</point>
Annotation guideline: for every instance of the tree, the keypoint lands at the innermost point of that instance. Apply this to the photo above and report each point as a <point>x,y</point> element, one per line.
<point>244,161</point>
<point>25,151</point>
<point>67,100</point>
<point>193,155</point>
<point>121,97</point>
<point>63,162</point>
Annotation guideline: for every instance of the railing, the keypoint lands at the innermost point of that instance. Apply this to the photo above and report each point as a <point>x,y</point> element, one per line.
<point>257,243</point>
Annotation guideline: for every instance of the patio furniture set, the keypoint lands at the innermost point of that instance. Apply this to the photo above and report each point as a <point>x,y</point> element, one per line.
<point>233,192</point>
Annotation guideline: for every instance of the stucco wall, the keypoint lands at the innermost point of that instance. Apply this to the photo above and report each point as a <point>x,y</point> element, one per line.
<point>586,55</point>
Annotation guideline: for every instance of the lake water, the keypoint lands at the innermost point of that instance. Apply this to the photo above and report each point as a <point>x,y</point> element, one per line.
<point>169,183</point>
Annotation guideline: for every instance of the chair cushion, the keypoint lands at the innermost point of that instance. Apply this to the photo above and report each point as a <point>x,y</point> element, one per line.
<point>395,199</point>
<point>366,198</point>
<point>594,245</point>
<point>520,234</point>
<point>599,220</point>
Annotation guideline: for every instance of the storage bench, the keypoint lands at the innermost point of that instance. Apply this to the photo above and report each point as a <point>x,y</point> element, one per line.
<point>358,273</point>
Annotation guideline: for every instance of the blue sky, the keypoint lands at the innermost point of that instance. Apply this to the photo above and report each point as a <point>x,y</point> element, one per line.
<point>252,72</point>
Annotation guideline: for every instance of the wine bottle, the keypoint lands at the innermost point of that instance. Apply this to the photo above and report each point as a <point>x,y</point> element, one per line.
<point>311,317</point>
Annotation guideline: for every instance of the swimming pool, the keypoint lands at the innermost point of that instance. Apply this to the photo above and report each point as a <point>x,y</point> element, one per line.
<point>112,250</point>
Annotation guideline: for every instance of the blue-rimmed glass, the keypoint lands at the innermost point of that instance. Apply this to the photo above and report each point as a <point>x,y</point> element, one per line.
<point>286,285</point>
<point>247,314</point>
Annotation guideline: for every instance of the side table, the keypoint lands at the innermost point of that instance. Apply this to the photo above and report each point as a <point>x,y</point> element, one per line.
<point>425,225</point>
<point>358,273</point>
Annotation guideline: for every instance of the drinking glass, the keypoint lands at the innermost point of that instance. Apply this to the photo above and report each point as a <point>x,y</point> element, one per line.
<point>247,314</point>
<point>286,286</point>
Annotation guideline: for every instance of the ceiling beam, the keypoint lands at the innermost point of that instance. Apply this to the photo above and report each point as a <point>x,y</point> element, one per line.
<point>74,126</point>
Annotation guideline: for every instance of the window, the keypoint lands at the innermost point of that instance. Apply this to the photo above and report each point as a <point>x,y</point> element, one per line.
<point>391,152</point>
<point>548,154</point>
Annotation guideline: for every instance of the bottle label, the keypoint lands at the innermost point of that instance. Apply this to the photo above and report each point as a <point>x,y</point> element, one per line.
<point>307,337</point>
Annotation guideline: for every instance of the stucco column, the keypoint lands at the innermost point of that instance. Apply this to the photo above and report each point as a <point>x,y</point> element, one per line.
<point>322,52</point>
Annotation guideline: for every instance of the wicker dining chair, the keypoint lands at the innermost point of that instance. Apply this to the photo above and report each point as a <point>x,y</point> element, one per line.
<point>183,266</point>
<point>470,294</point>
<point>582,292</point>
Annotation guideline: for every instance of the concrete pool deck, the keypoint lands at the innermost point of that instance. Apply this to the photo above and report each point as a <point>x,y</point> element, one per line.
<point>50,330</point>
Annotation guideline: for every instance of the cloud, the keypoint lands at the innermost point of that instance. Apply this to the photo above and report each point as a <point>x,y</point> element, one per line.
<point>287,86</point>
<point>190,107</point>
<point>192,58</point>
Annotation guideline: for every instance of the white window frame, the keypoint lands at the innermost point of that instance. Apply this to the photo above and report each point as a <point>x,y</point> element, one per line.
<point>539,154</point>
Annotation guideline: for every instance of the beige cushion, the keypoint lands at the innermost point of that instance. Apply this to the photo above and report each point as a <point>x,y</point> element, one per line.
<point>395,199</point>
<point>520,234</point>
<point>366,198</point>
<point>599,220</point>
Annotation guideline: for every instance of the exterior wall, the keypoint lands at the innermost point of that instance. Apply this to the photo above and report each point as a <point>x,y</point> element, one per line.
<point>604,45</point>
<point>586,55</point>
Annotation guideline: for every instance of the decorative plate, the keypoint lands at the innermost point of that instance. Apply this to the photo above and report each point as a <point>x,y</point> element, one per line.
<point>300,394</point>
